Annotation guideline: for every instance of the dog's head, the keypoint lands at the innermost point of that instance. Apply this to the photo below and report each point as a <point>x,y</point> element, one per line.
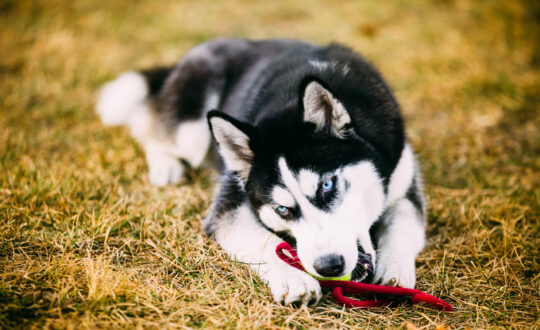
<point>309,175</point>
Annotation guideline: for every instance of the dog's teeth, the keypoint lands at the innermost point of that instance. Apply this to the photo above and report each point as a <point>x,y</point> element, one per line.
<point>364,275</point>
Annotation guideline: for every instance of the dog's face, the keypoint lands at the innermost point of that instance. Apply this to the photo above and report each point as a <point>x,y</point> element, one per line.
<point>312,179</point>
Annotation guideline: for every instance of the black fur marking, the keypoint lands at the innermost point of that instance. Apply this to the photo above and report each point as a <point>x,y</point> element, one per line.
<point>377,228</point>
<point>414,195</point>
<point>324,200</point>
<point>286,237</point>
<point>183,96</point>
<point>231,195</point>
<point>156,77</point>
<point>294,213</point>
<point>347,185</point>
<point>363,258</point>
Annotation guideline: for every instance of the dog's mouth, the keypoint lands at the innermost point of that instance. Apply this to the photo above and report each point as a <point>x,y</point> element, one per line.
<point>364,269</point>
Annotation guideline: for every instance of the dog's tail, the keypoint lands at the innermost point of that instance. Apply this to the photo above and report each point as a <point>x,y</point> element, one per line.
<point>120,98</point>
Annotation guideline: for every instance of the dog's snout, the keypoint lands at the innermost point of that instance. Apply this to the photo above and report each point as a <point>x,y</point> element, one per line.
<point>330,265</point>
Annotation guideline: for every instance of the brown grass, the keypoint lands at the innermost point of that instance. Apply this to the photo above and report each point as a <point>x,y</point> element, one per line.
<point>85,241</point>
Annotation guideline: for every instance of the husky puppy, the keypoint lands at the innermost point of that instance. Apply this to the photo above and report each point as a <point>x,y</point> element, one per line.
<point>313,150</point>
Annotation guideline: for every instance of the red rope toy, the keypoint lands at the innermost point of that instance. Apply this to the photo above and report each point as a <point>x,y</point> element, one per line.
<point>363,289</point>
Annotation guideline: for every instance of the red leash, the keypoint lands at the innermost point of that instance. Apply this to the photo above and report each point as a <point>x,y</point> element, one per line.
<point>349,287</point>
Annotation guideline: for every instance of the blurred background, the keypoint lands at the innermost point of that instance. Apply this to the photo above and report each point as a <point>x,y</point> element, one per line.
<point>85,240</point>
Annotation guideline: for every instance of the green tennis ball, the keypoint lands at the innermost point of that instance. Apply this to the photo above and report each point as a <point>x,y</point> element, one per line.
<point>342,278</point>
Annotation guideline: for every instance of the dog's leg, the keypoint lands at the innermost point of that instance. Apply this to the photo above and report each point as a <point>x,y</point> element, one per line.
<point>245,240</point>
<point>242,236</point>
<point>165,107</point>
<point>401,237</point>
<point>189,141</point>
<point>130,100</point>
<point>400,232</point>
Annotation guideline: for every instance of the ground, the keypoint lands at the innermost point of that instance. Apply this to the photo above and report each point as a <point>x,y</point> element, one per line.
<point>85,241</point>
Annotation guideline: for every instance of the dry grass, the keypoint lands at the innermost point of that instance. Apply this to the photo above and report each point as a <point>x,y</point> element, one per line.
<point>85,241</point>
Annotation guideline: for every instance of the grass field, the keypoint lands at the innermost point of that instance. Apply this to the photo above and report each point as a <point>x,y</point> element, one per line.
<point>85,241</point>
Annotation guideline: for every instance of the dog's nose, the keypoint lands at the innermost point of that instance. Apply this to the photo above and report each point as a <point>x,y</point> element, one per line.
<point>329,265</point>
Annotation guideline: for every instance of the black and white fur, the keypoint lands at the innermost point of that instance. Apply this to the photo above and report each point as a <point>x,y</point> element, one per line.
<point>293,118</point>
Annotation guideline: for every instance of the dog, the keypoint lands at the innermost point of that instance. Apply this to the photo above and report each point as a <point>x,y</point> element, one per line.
<point>313,152</point>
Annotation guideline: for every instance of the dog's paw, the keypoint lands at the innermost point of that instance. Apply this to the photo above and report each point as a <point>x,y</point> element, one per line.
<point>164,170</point>
<point>395,272</point>
<point>294,288</point>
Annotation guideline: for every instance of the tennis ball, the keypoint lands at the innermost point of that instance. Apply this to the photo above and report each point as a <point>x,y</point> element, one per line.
<point>342,278</point>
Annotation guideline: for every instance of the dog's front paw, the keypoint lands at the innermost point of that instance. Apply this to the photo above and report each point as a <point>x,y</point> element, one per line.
<point>395,272</point>
<point>294,287</point>
<point>163,169</point>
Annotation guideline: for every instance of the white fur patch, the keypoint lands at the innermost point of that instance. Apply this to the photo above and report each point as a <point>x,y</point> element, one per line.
<point>283,197</point>
<point>309,182</point>
<point>290,182</point>
<point>402,177</point>
<point>247,241</point>
<point>365,181</point>
<point>240,235</point>
<point>321,65</point>
<point>271,219</point>
<point>119,98</point>
<point>192,141</point>
<point>162,167</point>
<point>212,102</point>
<point>142,124</point>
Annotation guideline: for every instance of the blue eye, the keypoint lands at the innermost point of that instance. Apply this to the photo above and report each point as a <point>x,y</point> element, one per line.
<point>282,210</point>
<point>327,185</point>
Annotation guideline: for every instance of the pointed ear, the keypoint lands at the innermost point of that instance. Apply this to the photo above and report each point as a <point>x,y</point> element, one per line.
<point>325,111</point>
<point>234,142</point>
